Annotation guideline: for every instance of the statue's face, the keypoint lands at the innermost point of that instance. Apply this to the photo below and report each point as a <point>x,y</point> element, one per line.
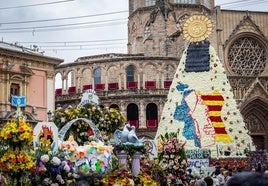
<point>90,95</point>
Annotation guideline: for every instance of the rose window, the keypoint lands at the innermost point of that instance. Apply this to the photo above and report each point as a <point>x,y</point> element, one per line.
<point>247,57</point>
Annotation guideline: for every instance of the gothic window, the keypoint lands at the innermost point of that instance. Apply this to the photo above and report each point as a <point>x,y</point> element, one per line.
<point>247,57</point>
<point>130,73</point>
<point>149,2</point>
<point>185,1</point>
<point>147,33</point>
<point>97,76</point>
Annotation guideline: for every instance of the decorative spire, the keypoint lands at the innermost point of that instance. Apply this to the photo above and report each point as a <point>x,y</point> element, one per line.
<point>160,5</point>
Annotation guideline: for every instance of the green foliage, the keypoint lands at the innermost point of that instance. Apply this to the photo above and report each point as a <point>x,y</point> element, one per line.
<point>106,119</point>
<point>130,149</point>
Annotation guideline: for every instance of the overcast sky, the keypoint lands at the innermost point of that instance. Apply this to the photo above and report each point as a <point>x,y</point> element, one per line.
<point>69,29</point>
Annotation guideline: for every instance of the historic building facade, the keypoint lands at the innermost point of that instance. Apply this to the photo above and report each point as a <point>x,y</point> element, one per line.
<point>138,82</point>
<point>26,75</point>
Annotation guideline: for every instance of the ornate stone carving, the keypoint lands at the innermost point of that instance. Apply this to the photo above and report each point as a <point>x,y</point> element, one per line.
<point>247,56</point>
<point>254,125</point>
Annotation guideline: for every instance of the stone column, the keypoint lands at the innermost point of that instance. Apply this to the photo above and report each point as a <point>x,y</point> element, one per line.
<point>106,80</point>
<point>122,159</point>
<point>135,169</point>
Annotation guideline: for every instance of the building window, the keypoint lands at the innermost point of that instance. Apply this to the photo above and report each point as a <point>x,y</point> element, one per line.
<point>151,115</point>
<point>97,75</point>
<point>133,115</point>
<point>130,73</point>
<point>247,57</point>
<point>185,1</point>
<point>149,2</point>
<point>15,89</point>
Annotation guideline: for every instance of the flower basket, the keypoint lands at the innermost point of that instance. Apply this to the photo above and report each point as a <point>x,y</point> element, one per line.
<point>93,157</point>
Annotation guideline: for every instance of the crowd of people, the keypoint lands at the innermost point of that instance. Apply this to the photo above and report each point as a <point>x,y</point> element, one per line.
<point>223,177</point>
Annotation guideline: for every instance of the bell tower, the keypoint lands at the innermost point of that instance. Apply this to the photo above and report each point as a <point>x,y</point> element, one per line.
<point>155,26</point>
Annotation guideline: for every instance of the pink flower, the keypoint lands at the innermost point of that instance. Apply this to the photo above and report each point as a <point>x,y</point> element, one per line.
<point>66,168</point>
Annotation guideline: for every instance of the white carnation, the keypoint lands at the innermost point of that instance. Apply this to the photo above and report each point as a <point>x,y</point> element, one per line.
<point>45,158</point>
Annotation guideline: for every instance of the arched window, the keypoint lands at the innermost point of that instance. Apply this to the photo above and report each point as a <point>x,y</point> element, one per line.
<point>97,76</point>
<point>133,114</point>
<point>130,73</point>
<point>247,57</point>
<point>70,79</point>
<point>71,83</point>
<point>58,81</point>
<point>151,115</point>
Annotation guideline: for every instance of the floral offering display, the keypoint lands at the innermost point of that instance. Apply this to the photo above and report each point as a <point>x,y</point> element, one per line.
<point>53,169</point>
<point>118,177</point>
<point>172,157</point>
<point>16,159</point>
<point>150,174</point>
<point>13,162</point>
<point>95,157</point>
<point>106,119</point>
<point>16,133</point>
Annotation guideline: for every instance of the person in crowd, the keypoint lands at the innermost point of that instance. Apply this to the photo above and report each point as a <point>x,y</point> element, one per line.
<point>209,181</point>
<point>3,180</point>
<point>234,170</point>
<point>248,179</point>
<point>200,182</point>
<point>220,177</point>
<point>226,175</point>
<point>253,170</point>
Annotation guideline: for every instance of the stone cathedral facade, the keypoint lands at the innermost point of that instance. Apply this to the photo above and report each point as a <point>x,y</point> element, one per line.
<point>138,82</point>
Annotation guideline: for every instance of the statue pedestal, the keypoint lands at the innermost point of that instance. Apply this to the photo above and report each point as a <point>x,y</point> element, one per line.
<point>135,169</point>
<point>122,159</point>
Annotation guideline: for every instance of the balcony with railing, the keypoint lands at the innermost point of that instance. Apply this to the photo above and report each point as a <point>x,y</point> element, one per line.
<point>134,89</point>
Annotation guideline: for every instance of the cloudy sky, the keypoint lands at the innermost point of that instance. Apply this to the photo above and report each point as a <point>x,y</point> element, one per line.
<point>69,29</point>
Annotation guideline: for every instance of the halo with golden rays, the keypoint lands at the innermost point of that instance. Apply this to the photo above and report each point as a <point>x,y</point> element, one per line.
<point>197,28</point>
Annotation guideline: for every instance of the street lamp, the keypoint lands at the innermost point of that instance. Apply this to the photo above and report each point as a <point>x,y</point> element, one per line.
<point>49,115</point>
